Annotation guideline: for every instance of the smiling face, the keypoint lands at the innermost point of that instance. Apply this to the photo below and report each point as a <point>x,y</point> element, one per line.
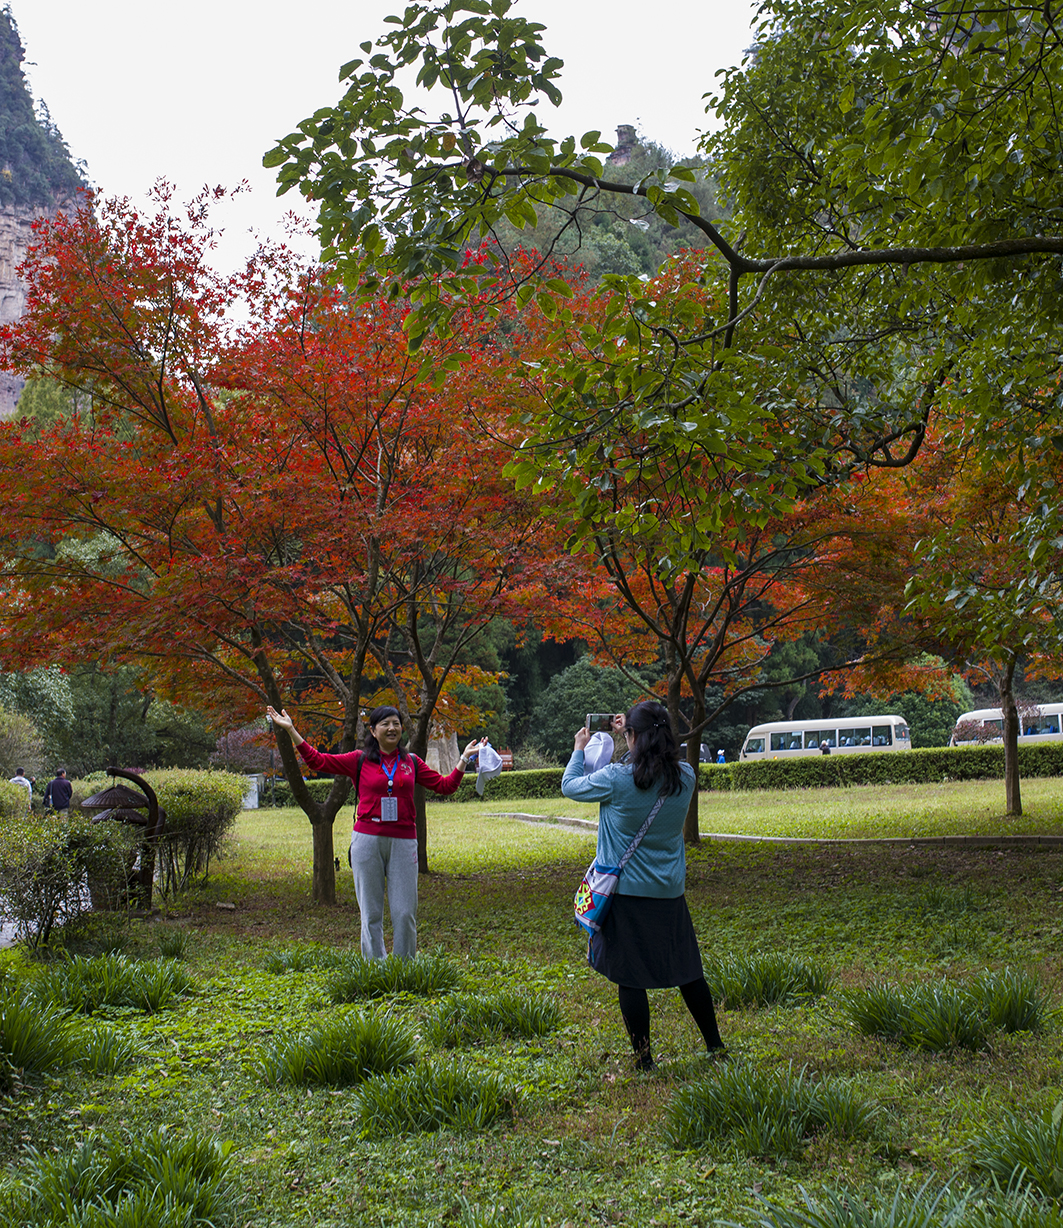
<point>387,733</point>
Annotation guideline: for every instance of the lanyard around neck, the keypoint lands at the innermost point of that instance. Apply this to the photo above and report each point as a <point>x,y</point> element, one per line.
<point>390,775</point>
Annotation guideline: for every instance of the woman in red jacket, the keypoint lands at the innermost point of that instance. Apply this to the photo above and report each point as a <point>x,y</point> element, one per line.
<point>384,844</point>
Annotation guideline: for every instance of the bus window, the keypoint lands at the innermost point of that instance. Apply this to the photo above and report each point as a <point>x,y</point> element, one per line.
<point>780,741</point>
<point>882,735</point>
<point>814,737</point>
<point>903,733</point>
<point>854,737</point>
<point>754,746</point>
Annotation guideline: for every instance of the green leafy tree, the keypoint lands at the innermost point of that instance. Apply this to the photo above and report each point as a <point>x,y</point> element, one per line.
<point>36,166</point>
<point>564,704</point>
<point>890,170</point>
<point>20,745</point>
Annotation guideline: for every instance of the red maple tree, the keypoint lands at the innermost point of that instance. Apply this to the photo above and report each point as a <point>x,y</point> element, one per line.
<point>289,507</point>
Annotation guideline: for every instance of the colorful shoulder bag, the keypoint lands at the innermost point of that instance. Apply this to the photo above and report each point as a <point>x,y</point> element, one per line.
<point>594,896</point>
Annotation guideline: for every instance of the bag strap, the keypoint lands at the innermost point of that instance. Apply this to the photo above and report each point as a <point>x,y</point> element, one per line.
<point>640,833</point>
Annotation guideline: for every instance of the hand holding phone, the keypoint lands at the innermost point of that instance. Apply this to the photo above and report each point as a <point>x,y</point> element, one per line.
<point>600,722</point>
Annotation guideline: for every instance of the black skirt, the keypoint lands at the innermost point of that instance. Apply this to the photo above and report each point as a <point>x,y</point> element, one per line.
<point>647,943</point>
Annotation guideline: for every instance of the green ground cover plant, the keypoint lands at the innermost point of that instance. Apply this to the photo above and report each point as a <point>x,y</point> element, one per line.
<point>342,1052</point>
<point>1025,1153</point>
<point>765,978</point>
<point>124,1182</point>
<point>765,1112</point>
<point>945,1014</point>
<point>84,984</point>
<point>434,1096</point>
<point>425,976</point>
<point>469,1019</point>
<point>579,1136</point>
<point>928,1207</point>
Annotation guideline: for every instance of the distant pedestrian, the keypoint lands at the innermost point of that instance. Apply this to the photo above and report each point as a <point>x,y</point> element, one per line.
<point>720,756</point>
<point>20,778</point>
<point>57,792</point>
<point>824,748</point>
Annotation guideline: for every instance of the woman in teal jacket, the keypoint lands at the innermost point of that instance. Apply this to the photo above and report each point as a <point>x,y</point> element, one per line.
<point>647,940</point>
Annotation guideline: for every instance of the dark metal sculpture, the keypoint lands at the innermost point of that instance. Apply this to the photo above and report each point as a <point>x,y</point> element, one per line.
<point>125,805</point>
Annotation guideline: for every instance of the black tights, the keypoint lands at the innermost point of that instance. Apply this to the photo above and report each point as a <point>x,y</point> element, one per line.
<point>635,1008</point>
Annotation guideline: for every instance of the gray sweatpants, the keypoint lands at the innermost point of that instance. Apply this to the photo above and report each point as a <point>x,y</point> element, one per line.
<point>374,860</point>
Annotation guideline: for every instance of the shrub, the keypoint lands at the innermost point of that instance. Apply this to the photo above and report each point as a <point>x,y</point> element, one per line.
<point>125,1182</point>
<point>201,809</point>
<point>765,1112</point>
<point>530,757</point>
<point>319,790</point>
<point>466,1019</point>
<point>14,801</point>
<point>425,975</point>
<point>770,979</point>
<point>910,767</point>
<point>433,1096</point>
<point>346,1051</point>
<point>83,985</point>
<point>511,786</point>
<point>49,867</point>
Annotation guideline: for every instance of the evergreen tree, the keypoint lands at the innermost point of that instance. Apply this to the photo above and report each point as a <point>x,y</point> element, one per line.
<point>35,165</point>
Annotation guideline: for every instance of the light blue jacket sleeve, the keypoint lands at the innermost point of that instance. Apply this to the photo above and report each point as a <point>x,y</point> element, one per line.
<point>597,787</point>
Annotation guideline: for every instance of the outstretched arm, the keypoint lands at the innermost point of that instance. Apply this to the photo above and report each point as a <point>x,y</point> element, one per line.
<point>281,720</point>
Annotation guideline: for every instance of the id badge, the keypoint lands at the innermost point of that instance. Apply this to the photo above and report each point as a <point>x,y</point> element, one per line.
<point>389,810</point>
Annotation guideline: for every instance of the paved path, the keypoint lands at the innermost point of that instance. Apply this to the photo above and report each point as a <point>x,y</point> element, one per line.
<point>960,841</point>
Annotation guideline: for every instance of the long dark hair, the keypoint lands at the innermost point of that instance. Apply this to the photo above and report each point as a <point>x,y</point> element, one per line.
<point>654,751</point>
<point>372,746</point>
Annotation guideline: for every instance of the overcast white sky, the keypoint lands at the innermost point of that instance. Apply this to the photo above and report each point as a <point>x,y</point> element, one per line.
<point>197,92</point>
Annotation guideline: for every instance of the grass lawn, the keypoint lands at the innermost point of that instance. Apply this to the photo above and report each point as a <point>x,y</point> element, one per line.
<point>588,1142</point>
<point>967,808</point>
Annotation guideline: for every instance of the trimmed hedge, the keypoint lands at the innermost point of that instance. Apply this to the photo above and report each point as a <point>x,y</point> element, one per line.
<point>319,790</point>
<point>934,766</point>
<point>509,786</point>
<point>201,809</point>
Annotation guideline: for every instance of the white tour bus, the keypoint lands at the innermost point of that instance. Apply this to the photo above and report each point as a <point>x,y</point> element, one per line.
<point>846,735</point>
<point>987,725</point>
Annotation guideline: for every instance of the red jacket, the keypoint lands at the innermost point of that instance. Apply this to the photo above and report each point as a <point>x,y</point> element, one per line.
<point>373,785</point>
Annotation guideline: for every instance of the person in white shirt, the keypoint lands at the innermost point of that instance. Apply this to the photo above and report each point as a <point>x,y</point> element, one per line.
<point>20,778</point>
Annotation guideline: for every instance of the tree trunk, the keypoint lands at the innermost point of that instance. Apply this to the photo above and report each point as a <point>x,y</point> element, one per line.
<point>421,807</point>
<point>324,861</point>
<point>419,747</point>
<point>1012,789</point>
<point>691,824</point>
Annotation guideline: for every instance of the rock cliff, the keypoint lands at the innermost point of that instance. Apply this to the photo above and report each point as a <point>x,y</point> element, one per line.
<point>37,179</point>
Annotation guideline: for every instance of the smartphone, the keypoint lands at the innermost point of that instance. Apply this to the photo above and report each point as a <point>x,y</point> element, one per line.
<point>600,722</point>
